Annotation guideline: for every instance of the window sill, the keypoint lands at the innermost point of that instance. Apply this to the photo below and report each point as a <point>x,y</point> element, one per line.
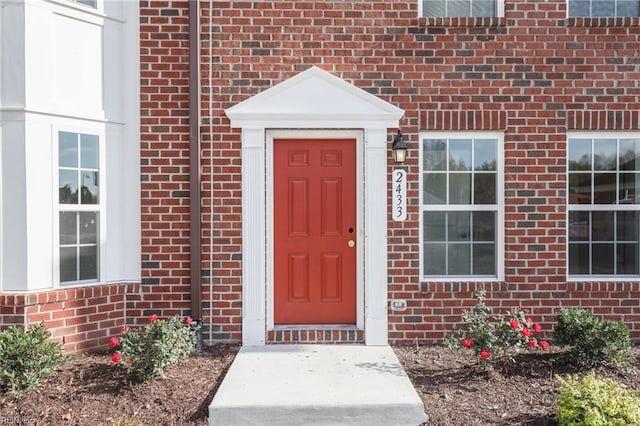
<point>429,21</point>
<point>611,22</point>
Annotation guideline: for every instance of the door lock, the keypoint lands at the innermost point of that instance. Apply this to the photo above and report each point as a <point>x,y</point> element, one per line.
<point>351,243</point>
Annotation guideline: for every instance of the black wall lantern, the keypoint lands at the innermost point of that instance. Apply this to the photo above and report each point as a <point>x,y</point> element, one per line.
<point>399,148</point>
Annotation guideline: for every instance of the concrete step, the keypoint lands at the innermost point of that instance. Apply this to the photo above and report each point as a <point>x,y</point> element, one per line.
<point>316,385</point>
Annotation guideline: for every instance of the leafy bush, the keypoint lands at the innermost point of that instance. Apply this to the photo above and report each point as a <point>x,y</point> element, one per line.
<point>596,402</point>
<point>147,352</point>
<point>26,357</point>
<point>495,338</point>
<point>593,342</point>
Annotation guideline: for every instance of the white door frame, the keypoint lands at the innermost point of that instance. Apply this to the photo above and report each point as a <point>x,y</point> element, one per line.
<point>313,99</point>
<point>270,219</point>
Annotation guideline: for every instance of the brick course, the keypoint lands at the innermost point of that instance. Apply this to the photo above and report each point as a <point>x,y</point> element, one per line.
<point>533,74</point>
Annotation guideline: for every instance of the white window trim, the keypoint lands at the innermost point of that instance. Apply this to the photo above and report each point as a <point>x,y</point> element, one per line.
<point>499,136</point>
<point>101,208</point>
<point>499,9</point>
<point>596,207</point>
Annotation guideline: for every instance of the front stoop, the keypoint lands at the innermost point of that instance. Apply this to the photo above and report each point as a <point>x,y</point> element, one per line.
<point>316,385</point>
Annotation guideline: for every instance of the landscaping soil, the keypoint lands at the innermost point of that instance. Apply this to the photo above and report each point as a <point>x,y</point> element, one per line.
<point>90,390</point>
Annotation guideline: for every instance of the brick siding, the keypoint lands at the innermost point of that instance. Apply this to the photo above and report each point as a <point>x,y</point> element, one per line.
<point>533,74</point>
<point>78,318</point>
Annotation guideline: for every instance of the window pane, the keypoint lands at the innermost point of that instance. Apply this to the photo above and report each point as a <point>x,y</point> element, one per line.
<point>484,155</point>
<point>460,154</point>
<point>68,186</point>
<point>484,188</point>
<point>602,226</point>
<point>579,229</point>
<point>459,259</point>
<point>629,184</point>
<point>88,151</point>
<point>458,8</point>
<point>604,154</point>
<point>434,259</point>
<point>580,188</point>
<point>578,259</point>
<point>603,8</point>
<point>434,226</point>
<point>460,188</point>
<point>434,155</point>
<point>435,188</point>
<point>484,226</point>
<point>88,228</point>
<point>630,154</point>
<point>68,264</point>
<point>484,259</point>
<point>459,226</point>
<point>68,228</point>
<point>602,258</point>
<point>67,149</point>
<point>627,259</point>
<point>627,226</point>
<point>628,8</point>
<point>580,154</point>
<point>579,8</point>
<point>88,263</point>
<point>483,8</point>
<point>433,8</point>
<point>604,188</point>
<point>89,187</point>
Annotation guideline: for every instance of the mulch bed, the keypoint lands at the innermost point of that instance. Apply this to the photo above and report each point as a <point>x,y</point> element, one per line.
<point>89,390</point>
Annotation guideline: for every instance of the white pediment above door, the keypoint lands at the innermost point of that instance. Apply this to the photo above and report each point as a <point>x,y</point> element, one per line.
<point>314,98</point>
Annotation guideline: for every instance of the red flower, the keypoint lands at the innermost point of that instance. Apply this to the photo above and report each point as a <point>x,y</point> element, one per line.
<point>113,342</point>
<point>529,321</point>
<point>467,343</point>
<point>526,332</point>
<point>129,361</point>
<point>544,345</point>
<point>537,327</point>
<point>484,354</point>
<point>116,357</point>
<point>532,344</point>
<point>125,328</point>
<point>188,320</point>
<point>515,324</point>
<point>153,317</point>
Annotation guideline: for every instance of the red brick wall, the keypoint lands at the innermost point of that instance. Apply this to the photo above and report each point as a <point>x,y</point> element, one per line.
<point>78,318</point>
<point>533,75</point>
<point>164,152</point>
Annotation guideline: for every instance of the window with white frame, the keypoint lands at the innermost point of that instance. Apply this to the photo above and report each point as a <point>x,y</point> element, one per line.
<point>604,205</point>
<point>462,8</point>
<point>461,205</point>
<point>601,8</point>
<point>79,205</point>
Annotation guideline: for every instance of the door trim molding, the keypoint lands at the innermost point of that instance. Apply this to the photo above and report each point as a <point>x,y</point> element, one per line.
<point>314,99</point>
<point>358,135</point>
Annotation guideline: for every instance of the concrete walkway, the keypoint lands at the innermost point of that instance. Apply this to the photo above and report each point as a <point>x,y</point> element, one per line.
<point>316,385</point>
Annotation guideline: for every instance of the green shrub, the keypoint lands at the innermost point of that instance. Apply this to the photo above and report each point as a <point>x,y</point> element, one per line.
<point>592,342</point>
<point>495,339</point>
<point>147,352</point>
<point>596,402</point>
<point>26,357</point>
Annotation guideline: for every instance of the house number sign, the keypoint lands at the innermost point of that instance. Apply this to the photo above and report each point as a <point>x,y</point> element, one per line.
<point>399,204</point>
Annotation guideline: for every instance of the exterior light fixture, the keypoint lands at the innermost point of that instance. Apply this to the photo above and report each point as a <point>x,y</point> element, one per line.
<point>399,148</point>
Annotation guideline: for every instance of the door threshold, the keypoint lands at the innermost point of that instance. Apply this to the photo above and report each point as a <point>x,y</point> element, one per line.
<point>319,327</point>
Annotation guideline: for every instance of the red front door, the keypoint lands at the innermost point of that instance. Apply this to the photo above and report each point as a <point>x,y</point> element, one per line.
<point>315,231</point>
